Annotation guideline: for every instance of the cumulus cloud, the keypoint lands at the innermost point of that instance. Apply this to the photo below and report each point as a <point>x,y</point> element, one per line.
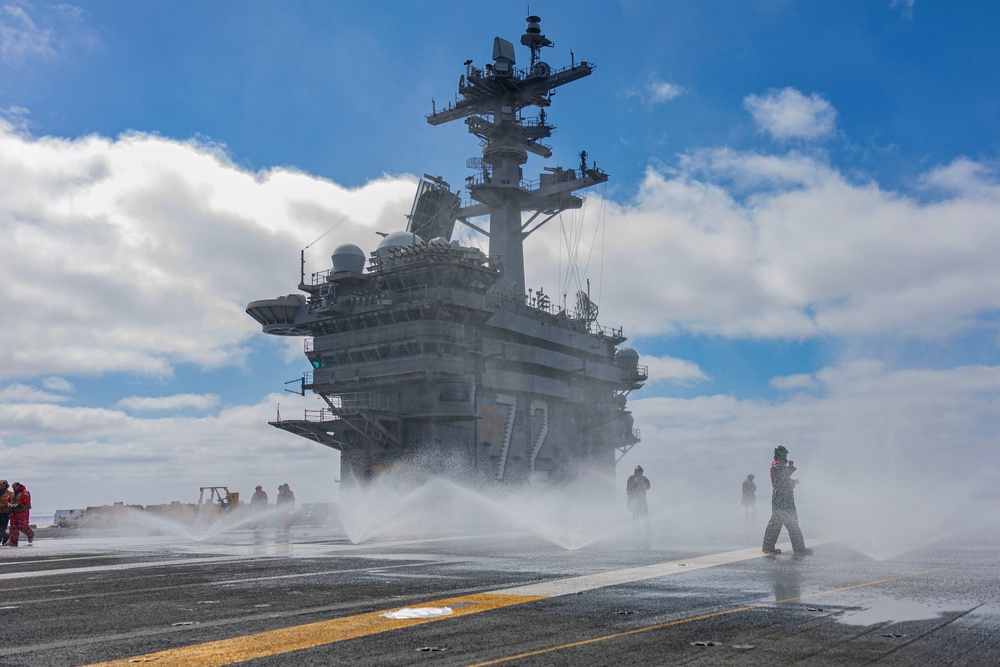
<point>788,114</point>
<point>671,370</point>
<point>962,177</point>
<point>139,253</point>
<point>175,402</point>
<point>744,244</point>
<point>57,384</point>
<point>24,393</point>
<point>77,456</point>
<point>796,381</point>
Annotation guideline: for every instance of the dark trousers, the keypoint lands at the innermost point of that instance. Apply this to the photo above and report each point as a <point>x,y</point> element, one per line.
<point>3,528</point>
<point>783,514</point>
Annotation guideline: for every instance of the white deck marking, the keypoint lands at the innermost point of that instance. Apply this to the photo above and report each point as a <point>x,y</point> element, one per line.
<point>589,582</point>
<point>72,571</point>
<point>273,551</point>
<point>567,586</point>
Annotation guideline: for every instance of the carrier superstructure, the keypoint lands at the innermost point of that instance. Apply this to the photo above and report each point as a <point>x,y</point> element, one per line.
<point>430,356</point>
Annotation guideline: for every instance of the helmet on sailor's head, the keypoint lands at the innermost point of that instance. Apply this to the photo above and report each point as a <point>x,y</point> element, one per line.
<point>638,469</point>
<point>780,452</point>
<point>259,488</point>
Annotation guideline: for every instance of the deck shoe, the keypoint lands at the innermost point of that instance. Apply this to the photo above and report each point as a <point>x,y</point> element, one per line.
<point>32,539</point>
<point>772,552</point>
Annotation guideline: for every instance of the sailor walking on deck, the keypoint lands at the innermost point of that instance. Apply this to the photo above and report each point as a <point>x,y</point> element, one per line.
<point>783,511</point>
<point>635,490</point>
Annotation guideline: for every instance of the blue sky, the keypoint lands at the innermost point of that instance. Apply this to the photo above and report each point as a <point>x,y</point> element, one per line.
<point>799,235</point>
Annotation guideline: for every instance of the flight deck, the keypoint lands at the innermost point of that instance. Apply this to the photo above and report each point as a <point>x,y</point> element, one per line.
<point>311,597</point>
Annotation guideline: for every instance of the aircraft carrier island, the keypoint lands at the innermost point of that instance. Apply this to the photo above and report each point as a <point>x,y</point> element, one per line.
<point>433,357</point>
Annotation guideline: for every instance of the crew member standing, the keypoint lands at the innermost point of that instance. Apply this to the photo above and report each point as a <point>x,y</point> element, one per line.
<point>750,498</point>
<point>18,507</point>
<point>258,503</point>
<point>258,500</point>
<point>783,511</point>
<point>286,501</point>
<point>5,496</point>
<point>635,491</point>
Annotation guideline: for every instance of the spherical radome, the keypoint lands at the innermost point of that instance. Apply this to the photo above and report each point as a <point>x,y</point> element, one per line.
<point>348,257</point>
<point>397,240</point>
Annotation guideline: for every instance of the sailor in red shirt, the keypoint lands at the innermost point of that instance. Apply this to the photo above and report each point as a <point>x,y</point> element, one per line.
<point>19,507</point>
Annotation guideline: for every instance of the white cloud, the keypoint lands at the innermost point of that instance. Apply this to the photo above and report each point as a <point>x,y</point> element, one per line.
<point>788,114</point>
<point>175,402</point>
<point>661,91</point>
<point>741,244</point>
<point>57,384</point>
<point>906,5</point>
<point>748,171</point>
<point>669,369</point>
<point>140,253</point>
<point>73,457</point>
<point>796,381</point>
<point>24,393</point>
<point>655,92</point>
<point>20,37</point>
<point>53,31</point>
<point>962,177</point>
<point>15,118</point>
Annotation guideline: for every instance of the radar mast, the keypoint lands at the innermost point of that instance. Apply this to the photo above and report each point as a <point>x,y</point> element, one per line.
<point>492,102</point>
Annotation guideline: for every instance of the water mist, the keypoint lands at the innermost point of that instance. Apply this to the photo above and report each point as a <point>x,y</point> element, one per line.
<point>394,507</point>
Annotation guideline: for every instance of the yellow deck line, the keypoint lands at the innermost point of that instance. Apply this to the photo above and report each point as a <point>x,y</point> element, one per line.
<point>263,644</point>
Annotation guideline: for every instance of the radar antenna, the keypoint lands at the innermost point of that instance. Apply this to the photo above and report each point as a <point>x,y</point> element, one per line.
<point>585,308</point>
<point>492,100</point>
<point>534,39</point>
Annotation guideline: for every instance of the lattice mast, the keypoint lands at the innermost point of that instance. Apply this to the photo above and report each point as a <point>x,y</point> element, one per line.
<point>492,100</point>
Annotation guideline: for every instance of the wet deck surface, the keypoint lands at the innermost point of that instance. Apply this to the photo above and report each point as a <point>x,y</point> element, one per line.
<point>513,599</point>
